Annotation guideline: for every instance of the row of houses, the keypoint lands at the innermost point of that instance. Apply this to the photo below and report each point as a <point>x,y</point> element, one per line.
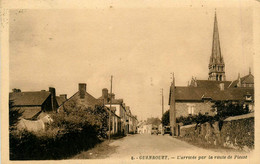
<point>32,104</point>
<point>146,128</point>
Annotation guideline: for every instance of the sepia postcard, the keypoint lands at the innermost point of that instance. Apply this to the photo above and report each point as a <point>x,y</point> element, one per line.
<point>130,81</point>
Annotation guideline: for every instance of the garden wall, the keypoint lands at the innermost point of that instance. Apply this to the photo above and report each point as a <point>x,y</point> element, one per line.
<point>234,132</point>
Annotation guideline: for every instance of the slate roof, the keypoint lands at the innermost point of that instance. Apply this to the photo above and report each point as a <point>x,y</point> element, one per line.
<point>28,112</point>
<point>60,100</point>
<point>88,101</point>
<point>198,93</point>
<point>248,79</point>
<point>114,101</point>
<point>212,84</point>
<point>28,98</point>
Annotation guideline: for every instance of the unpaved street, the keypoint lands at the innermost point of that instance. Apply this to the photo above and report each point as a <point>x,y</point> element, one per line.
<point>145,145</point>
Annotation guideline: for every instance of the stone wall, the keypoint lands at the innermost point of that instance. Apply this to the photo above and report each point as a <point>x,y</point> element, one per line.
<point>182,108</point>
<point>238,132</point>
<point>235,132</point>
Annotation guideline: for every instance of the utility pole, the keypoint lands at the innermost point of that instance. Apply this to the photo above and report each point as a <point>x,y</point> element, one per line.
<point>173,107</point>
<point>162,102</point>
<point>109,124</point>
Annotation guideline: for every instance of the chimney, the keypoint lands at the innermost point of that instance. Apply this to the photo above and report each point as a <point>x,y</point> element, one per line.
<point>53,97</point>
<point>195,82</point>
<point>239,80</point>
<point>222,86</point>
<point>112,96</point>
<point>82,90</point>
<point>64,96</point>
<point>105,94</point>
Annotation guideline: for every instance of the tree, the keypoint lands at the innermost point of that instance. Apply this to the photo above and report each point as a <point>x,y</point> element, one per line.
<point>226,109</point>
<point>16,90</point>
<point>166,118</point>
<point>76,117</point>
<point>153,120</point>
<point>14,116</point>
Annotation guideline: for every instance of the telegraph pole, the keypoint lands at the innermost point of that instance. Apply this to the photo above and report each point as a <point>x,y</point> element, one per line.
<point>109,124</point>
<point>162,102</point>
<point>173,107</point>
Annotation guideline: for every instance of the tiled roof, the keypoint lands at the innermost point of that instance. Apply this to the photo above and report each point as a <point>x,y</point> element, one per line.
<point>248,79</point>
<point>117,101</point>
<point>28,98</point>
<point>114,101</point>
<point>88,101</point>
<point>60,100</point>
<point>197,93</point>
<point>211,83</point>
<point>28,112</point>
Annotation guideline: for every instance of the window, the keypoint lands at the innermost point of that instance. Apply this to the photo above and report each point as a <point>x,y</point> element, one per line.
<point>220,77</point>
<point>248,97</point>
<point>191,108</point>
<point>251,107</point>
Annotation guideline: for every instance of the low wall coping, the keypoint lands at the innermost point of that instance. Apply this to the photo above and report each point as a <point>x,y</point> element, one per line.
<point>188,126</point>
<point>244,116</point>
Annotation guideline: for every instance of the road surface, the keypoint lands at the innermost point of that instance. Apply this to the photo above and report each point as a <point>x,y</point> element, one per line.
<point>134,146</point>
<point>143,146</point>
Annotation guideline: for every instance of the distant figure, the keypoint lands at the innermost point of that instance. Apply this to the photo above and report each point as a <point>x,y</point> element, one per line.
<point>34,126</point>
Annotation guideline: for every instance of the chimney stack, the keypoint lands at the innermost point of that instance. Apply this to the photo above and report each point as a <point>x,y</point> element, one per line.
<point>195,82</point>
<point>112,96</point>
<point>239,80</point>
<point>53,97</point>
<point>64,96</point>
<point>105,94</point>
<point>82,90</point>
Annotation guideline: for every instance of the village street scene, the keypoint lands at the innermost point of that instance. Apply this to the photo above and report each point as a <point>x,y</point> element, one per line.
<point>163,85</point>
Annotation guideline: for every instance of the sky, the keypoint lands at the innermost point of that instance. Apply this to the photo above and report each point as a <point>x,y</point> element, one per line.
<point>140,47</point>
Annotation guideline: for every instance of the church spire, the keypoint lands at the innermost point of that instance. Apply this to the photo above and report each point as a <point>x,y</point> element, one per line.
<point>216,63</point>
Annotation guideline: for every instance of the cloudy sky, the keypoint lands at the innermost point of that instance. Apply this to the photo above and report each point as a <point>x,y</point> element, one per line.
<point>140,47</point>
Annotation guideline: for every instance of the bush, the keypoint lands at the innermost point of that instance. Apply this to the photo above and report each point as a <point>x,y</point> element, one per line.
<point>74,130</point>
<point>166,118</point>
<point>223,109</point>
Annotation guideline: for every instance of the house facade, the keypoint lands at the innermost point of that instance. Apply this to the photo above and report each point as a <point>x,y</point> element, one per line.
<point>122,112</point>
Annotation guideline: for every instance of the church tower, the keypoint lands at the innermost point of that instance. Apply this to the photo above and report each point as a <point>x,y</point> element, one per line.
<point>216,62</point>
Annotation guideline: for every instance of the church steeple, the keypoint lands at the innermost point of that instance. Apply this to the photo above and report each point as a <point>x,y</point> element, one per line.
<point>216,62</point>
